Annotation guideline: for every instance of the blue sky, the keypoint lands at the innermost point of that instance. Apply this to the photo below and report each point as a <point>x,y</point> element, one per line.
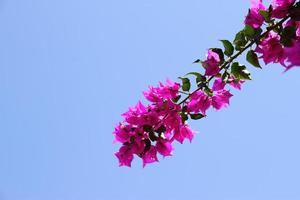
<point>68,69</point>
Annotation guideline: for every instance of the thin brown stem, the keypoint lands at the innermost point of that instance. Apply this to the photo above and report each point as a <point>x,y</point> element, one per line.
<point>225,65</point>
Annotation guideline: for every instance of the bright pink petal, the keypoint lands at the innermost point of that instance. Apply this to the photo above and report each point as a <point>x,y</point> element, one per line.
<point>164,147</point>
<point>211,64</point>
<point>150,156</point>
<point>271,49</point>
<point>280,8</point>
<point>293,55</point>
<point>199,102</point>
<point>125,156</point>
<point>254,19</point>
<point>184,132</point>
<point>121,134</point>
<point>221,99</point>
<point>218,85</point>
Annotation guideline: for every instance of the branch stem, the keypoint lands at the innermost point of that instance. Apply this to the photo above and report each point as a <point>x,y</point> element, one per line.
<point>225,65</point>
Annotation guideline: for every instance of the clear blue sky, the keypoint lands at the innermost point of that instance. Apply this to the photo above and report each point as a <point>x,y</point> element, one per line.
<point>68,69</point>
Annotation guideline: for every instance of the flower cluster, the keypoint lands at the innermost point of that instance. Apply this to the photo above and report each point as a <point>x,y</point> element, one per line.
<point>271,33</point>
<point>151,130</point>
<point>280,45</point>
<point>148,130</point>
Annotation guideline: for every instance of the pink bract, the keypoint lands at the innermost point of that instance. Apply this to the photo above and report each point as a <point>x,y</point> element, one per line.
<point>293,55</point>
<point>184,132</point>
<point>221,99</point>
<point>164,147</point>
<point>125,156</point>
<point>150,156</point>
<point>167,91</point>
<point>199,102</point>
<point>280,8</point>
<point>211,64</point>
<point>271,49</point>
<point>218,84</point>
<point>254,19</point>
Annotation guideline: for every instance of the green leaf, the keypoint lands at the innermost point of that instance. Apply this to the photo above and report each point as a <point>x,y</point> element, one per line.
<point>152,136</point>
<point>147,128</point>
<point>251,32</point>
<point>186,84</point>
<point>278,28</point>
<point>295,12</point>
<point>184,117</point>
<point>161,129</point>
<point>199,77</point>
<point>176,99</point>
<point>197,61</point>
<point>225,77</point>
<point>228,47</point>
<point>287,36</point>
<point>208,91</point>
<point>253,59</point>
<point>147,145</point>
<point>240,40</point>
<point>196,116</point>
<point>266,15</point>
<point>289,31</point>
<point>286,41</point>
<point>219,52</point>
<point>240,71</point>
<point>184,109</point>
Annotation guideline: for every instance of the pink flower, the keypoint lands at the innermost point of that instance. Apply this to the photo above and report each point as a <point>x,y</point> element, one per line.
<point>237,84</point>
<point>167,91</point>
<point>172,121</point>
<point>211,64</point>
<point>254,19</point>
<point>221,99</point>
<point>271,49</point>
<point>280,8</point>
<point>150,156</point>
<point>125,156</point>
<point>199,102</point>
<point>184,132</point>
<point>218,84</point>
<point>138,145</point>
<point>134,113</point>
<point>121,133</point>
<point>293,55</point>
<point>164,147</point>
<point>170,90</point>
<point>147,130</point>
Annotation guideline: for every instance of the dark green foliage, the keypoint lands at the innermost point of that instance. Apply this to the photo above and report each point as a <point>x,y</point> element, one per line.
<point>229,49</point>
<point>186,84</point>
<point>196,116</point>
<point>240,40</point>
<point>220,53</point>
<point>253,59</point>
<point>199,77</point>
<point>240,71</point>
<point>287,36</point>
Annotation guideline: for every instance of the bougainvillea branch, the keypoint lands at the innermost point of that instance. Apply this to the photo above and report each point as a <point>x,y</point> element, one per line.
<point>271,34</point>
<point>225,65</point>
